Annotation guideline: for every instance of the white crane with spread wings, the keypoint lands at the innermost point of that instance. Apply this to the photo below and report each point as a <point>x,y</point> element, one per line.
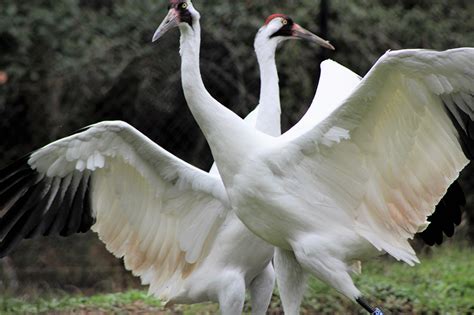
<point>360,182</point>
<point>170,221</point>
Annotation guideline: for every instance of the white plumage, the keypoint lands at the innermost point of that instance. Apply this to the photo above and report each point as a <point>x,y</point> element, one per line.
<point>361,181</point>
<point>170,221</point>
<point>336,83</point>
<point>347,182</point>
<point>159,213</point>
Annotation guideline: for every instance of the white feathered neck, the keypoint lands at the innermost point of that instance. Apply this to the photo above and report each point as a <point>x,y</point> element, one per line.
<point>229,137</point>
<point>268,119</point>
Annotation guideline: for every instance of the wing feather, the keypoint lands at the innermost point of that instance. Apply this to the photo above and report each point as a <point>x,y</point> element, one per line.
<point>154,210</point>
<point>408,129</point>
<point>336,83</point>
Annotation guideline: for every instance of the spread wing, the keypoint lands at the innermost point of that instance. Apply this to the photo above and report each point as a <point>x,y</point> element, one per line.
<point>385,158</point>
<point>157,212</point>
<point>336,83</point>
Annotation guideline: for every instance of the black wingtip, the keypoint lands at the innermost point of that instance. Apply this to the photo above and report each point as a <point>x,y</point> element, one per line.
<point>447,216</point>
<point>448,213</point>
<point>32,204</point>
<point>462,122</point>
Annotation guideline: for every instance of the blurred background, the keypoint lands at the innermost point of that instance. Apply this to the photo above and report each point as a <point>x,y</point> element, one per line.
<point>67,64</point>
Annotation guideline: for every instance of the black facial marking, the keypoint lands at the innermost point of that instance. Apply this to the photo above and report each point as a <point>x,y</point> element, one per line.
<point>285,30</point>
<point>184,14</point>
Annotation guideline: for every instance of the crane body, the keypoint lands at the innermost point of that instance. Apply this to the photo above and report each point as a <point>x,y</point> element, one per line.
<point>329,195</point>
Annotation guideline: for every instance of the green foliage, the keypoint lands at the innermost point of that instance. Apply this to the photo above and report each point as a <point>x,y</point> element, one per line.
<point>442,284</point>
<point>81,61</point>
<point>366,29</point>
<point>116,303</point>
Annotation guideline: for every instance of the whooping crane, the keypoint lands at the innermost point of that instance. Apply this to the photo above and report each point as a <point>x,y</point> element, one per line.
<point>360,182</point>
<point>163,216</point>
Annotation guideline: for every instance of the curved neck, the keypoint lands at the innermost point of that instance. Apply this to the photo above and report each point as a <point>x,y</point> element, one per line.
<point>268,119</point>
<point>228,136</point>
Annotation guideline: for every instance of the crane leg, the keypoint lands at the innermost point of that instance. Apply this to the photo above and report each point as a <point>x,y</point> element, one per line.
<point>368,308</point>
<point>317,257</point>
<point>261,289</point>
<point>232,294</point>
<point>291,279</point>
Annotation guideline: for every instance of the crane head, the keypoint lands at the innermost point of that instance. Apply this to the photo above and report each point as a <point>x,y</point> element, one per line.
<point>282,27</point>
<point>180,11</point>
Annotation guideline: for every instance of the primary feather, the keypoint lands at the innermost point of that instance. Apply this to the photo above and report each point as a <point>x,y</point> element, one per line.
<point>400,139</point>
<point>140,197</point>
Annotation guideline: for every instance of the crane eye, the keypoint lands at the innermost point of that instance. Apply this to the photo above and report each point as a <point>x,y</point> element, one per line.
<point>184,5</point>
<point>284,21</point>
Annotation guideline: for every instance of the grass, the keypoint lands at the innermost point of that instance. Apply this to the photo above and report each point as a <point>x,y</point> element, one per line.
<point>442,284</point>
<point>116,302</point>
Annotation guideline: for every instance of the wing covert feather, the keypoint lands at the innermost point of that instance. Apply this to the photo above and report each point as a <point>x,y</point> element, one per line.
<point>403,135</point>
<point>335,84</point>
<point>157,212</point>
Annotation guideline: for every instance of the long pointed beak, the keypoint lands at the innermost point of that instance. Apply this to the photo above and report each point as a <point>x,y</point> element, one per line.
<point>300,32</point>
<point>171,21</point>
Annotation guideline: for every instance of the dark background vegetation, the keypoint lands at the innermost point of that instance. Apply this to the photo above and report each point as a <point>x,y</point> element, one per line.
<point>71,63</point>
